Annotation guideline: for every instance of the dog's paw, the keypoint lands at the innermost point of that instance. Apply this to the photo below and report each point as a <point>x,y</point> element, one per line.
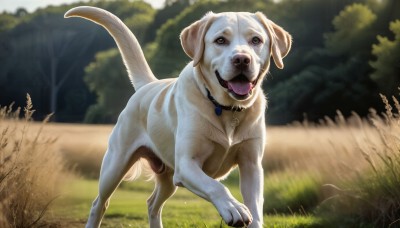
<point>234,213</point>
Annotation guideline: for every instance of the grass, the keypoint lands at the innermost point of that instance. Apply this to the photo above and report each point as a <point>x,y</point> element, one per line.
<point>128,208</point>
<point>374,196</point>
<point>291,193</point>
<point>30,169</point>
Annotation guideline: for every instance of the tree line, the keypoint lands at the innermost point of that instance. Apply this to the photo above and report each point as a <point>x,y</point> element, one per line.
<point>345,52</point>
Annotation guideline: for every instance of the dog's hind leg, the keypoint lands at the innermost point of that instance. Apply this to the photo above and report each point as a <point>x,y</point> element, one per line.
<point>115,166</point>
<point>164,188</point>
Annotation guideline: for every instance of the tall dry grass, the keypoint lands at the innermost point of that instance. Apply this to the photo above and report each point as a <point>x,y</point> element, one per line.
<point>341,167</point>
<point>31,171</point>
<point>374,195</point>
<point>82,146</point>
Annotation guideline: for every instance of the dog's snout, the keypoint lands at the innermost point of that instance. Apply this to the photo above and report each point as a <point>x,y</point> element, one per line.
<point>241,61</point>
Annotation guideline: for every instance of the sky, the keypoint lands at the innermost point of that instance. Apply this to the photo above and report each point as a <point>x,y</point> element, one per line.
<point>32,5</point>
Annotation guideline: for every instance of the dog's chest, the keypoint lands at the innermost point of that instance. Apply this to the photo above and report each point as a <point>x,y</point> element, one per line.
<point>226,144</point>
<point>221,160</point>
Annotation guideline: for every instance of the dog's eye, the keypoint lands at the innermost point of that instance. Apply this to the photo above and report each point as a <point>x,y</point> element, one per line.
<point>256,41</point>
<point>221,41</point>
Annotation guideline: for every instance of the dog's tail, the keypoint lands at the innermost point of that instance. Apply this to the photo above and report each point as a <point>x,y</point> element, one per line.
<point>132,54</point>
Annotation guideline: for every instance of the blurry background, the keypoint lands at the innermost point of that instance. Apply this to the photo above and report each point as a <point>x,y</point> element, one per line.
<point>345,52</point>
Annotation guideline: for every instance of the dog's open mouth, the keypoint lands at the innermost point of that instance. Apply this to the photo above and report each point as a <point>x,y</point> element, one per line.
<point>240,87</point>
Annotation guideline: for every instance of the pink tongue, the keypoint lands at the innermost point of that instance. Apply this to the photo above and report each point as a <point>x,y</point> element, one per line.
<point>240,88</point>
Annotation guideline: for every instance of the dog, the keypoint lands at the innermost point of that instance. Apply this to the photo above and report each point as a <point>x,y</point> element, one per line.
<point>194,129</point>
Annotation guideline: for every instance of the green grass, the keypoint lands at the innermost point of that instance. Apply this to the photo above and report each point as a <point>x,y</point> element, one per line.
<point>290,193</point>
<point>128,208</point>
<point>286,221</point>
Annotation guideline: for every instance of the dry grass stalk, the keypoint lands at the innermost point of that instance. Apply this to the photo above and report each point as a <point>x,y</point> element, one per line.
<point>374,195</point>
<point>30,170</point>
<point>382,187</point>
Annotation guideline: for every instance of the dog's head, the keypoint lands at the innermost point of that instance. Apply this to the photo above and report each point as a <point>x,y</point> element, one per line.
<point>232,51</point>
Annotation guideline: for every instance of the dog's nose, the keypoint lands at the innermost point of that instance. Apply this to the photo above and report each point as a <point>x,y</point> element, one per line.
<point>241,61</point>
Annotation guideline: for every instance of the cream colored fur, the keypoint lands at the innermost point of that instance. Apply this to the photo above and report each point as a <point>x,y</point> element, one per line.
<point>173,124</point>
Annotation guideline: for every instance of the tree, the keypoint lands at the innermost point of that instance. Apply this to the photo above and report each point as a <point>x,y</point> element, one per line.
<point>45,55</point>
<point>387,63</point>
<point>56,45</point>
<point>335,76</point>
<point>351,30</point>
<point>7,22</point>
<point>307,21</point>
<point>46,52</point>
<point>107,77</point>
<point>169,11</point>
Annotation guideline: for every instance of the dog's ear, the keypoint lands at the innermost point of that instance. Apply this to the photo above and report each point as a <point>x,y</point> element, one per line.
<point>281,41</point>
<point>192,38</point>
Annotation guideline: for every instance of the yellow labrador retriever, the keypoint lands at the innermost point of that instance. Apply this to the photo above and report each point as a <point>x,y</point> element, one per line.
<point>194,129</point>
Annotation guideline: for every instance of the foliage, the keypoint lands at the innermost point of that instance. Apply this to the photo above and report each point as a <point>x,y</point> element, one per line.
<point>335,76</point>
<point>350,28</point>
<point>46,56</point>
<point>162,15</point>
<point>386,65</point>
<point>30,171</point>
<point>7,22</point>
<point>43,46</point>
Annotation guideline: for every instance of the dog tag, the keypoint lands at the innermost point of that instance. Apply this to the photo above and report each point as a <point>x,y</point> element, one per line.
<point>218,110</point>
<point>235,121</point>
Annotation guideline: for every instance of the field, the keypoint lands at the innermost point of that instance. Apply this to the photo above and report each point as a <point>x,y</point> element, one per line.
<point>340,172</point>
<point>83,147</point>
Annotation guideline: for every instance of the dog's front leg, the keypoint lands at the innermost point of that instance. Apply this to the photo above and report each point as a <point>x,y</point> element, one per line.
<point>252,179</point>
<point>189,174</point>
